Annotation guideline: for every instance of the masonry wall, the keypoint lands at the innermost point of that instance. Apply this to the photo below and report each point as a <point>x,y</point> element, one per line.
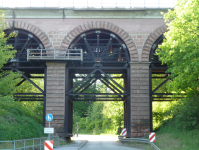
<point>141,27</point>
<point>55,95</point>
<point>140,112</point>
<point>56,29</point>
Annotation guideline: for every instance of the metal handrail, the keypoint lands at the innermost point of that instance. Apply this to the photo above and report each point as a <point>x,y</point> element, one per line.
<point>54,54</point>
<point>139,140</point>
<point>33,145</point>
<point>98,4</point>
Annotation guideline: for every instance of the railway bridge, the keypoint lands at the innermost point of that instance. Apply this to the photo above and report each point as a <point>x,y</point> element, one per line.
<point>61,43</point>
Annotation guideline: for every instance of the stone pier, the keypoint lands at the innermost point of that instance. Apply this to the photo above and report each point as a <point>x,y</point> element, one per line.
<point>55,95</point>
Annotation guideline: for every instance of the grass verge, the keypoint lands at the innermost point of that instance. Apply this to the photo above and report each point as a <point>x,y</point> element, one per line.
<point>178,140</point>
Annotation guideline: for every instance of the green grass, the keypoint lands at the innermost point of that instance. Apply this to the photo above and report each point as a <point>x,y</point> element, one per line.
<point>168,139</point>
<point>18,122</point>
<point>65,143</point>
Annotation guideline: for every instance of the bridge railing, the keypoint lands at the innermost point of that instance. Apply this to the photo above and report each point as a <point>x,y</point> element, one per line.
<point>141,140</point>
<point>100,4</point>
<point>54,54</point>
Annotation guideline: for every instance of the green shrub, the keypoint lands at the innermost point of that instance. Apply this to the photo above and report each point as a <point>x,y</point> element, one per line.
<point>184,114</point>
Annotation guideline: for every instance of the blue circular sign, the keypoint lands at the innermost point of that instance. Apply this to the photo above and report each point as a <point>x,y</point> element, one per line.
<point>49,117</point>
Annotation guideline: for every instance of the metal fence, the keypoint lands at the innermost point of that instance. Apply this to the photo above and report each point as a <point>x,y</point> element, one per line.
<point>138,140</point>
<point>55,54</point>
<point>99,4</point>
<point>28,144</point>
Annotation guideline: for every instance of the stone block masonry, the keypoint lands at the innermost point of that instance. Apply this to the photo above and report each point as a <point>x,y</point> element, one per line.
<point>56,37</point>
<point>139,38</point>
<point>140,110</point>
<point>55,95</point>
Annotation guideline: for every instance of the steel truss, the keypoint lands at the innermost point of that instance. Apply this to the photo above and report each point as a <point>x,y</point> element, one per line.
<point>101,46</point>
<point>79,92</point>
<point>22,41</point>
<point>103,54</point>
<point>156,68</point>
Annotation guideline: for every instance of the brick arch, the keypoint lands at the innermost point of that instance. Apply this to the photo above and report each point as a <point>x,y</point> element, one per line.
<point>102,25</point>
<point>150,41</point>
<point>31,28</point>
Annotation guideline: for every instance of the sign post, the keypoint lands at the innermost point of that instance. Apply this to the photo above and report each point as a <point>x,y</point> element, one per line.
<point>49,130</point>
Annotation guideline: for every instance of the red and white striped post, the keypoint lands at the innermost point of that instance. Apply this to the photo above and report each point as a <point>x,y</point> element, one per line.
<point>124,132</point>
<point>48,145</point>
<point>151,136</point>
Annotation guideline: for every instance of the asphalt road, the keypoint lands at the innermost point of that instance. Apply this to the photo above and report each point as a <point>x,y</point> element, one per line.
<point>95,142</point>
<point>104,145</point>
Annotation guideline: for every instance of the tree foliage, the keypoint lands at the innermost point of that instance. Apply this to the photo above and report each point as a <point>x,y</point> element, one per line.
<point>16,120</point>
<point>180,49</point>
<point>104,117</point>
<point>8,79</point>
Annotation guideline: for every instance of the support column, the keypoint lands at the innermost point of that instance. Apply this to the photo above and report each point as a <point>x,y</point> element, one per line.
<point>44,105</point>
<point>140,99</point>
<point>125,102</point>
<point>128,104</point>
<point>67,105</point>
<point>150,103</point>
<point>55,95</point>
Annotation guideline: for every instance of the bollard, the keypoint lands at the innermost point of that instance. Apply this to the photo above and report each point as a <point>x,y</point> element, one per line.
<point>119,130</point>
<point>94,131</point>
<point>77,128</point>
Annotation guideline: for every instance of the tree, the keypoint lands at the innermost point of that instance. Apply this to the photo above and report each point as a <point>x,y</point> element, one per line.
<point>8,79</point>
<point>180,48</point>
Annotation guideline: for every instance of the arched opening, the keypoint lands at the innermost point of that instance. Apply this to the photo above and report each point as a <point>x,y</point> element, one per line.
<point>101,46</point>
<point>31,71</point>
<point>105,59</point>
<point>158,80</point>
<point>21,42</point>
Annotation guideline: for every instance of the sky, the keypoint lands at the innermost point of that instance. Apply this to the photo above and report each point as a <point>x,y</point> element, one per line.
<point>89,3</point>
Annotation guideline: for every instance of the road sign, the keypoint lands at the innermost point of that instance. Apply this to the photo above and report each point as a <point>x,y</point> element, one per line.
<point>49,117</point>
<point>124,132</point>
<point>152,137</point>
<point>48,145</point>
<point>49,130</point>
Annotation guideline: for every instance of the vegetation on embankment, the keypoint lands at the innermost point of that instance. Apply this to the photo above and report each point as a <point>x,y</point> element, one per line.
<point>181,130</point>
<point>101,117</point>
<point>178,126</point>
<point>18,122</point>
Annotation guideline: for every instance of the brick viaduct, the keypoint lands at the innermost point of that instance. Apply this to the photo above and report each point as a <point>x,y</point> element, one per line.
<point>57,28</point>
